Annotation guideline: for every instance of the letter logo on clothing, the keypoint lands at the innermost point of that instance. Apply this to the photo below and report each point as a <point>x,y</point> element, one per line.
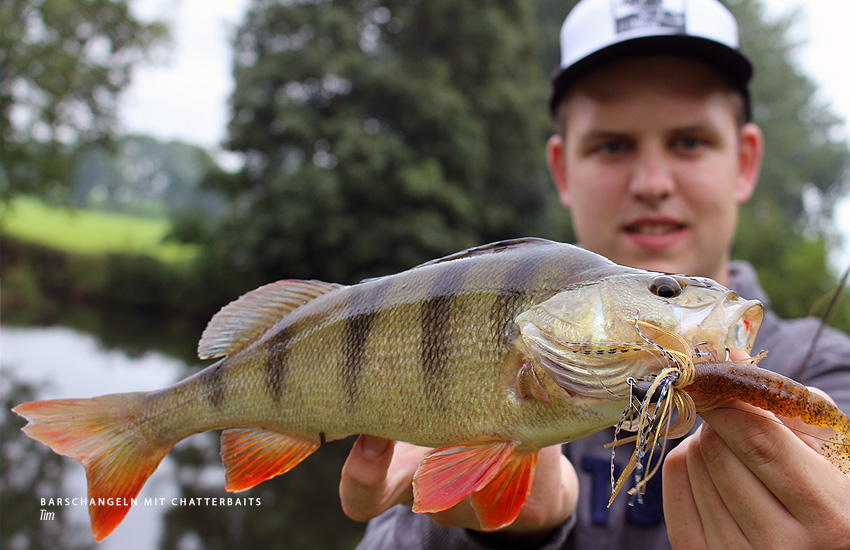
<point>631,15</point>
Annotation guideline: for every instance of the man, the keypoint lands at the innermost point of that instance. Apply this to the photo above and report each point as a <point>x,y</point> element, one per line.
<point>653,153</point>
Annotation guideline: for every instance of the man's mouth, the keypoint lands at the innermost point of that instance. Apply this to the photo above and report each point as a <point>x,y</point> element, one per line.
<point>654,228</point>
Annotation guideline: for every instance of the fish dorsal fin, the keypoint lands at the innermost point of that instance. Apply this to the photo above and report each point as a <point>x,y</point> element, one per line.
<point>248,317</point>
<point>490,248</point>
<point>482,250</point>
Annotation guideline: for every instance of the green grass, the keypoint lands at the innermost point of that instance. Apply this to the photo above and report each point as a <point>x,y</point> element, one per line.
<point>92,232</point>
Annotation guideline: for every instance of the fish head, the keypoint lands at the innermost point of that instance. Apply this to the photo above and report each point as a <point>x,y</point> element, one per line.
<point>593,336</point>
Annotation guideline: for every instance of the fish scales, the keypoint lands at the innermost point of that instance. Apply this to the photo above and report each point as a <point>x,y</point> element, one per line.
<point>437,356</point>
<point>413,338</point>
<point>425,327</point>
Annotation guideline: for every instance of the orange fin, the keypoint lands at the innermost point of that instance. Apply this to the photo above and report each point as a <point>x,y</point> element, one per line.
<point>98,433</point>
<point>247,318</point>
<point>447,475</point>
<point>498,504</point>
<point>252,456</point>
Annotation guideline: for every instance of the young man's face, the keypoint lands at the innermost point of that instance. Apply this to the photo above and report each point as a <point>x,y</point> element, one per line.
<point>653,165</point>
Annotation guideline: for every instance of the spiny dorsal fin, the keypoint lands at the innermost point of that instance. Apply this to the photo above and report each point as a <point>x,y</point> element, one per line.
<point>491,248</point>
<point>248,317</point>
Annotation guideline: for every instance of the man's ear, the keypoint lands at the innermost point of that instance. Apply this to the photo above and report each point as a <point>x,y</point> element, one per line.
<point>556,159</point>
<point>750,153</point>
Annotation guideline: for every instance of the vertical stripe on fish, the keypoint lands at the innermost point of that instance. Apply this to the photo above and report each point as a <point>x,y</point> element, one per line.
<point>276,364</point>
<point>213,381</point>
<point>363,306</point>
<point>517,283</point>
<point>436,322</point>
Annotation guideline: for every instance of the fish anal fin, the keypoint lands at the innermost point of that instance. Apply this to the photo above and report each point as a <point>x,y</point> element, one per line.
<point>498,504</point>
<point>447,475</point>
<point>528,385</point>
<point>252,455</point>
<point>248,317</point>
<point>98,433</point>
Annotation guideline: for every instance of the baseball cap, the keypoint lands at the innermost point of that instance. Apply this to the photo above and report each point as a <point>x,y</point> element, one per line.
<point>600,31</point>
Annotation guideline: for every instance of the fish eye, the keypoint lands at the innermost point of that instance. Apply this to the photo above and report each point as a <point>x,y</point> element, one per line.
<point>665,286</point>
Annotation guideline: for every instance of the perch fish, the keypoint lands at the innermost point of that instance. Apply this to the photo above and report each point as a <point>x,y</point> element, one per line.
<point>486,355</point>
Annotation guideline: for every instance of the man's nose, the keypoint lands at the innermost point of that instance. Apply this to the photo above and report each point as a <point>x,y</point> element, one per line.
<point>652,177</point>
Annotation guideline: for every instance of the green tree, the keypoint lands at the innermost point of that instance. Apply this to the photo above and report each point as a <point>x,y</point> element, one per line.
<point>62,65</point>
<point>380,133</point>
<point>781,233</point>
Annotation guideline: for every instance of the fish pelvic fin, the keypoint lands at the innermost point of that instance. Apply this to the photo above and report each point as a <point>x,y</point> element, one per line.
<point>252,455</point>
<point>498,504</point>
<point>497,475</point>
<point>248,317</point>
<point>101,434</point>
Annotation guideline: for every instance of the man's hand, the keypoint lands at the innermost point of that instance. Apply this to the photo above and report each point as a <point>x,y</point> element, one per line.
<point>745,480</point>
<point>378,474</point>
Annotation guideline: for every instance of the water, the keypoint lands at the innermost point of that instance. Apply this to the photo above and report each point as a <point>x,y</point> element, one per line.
<point>95,353</point>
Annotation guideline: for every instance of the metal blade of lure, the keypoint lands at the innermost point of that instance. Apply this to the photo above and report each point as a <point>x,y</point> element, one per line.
<point>632,410</point>
<point>637,494</point>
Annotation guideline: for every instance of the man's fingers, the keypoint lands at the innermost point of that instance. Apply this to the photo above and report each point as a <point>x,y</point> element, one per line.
<point>798,477</point>
<point>363,484</point>
<point>684,524</point>
<point>376,476</point>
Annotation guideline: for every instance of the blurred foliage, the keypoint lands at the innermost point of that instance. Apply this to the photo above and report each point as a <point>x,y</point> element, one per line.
<point>781,233</point>
<point>381,133</point>
<point>63,64</point>
<point>147,176</point>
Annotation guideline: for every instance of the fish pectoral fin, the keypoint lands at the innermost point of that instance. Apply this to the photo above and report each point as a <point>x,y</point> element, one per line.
<point>248,317</point>
<point>498,475</point>
<point>252,455</point>
<point>528,385</point>
<point>99,433</point>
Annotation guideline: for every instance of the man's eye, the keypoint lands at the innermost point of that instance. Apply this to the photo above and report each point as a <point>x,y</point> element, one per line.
<point>689,143</point>
<point>611,147</point>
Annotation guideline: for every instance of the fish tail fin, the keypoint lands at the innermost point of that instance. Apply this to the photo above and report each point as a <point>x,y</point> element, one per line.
<point>837,451</point>
<point>101,433</point>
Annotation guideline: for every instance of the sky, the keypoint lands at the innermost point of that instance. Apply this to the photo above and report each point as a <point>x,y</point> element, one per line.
<point>185,98</point>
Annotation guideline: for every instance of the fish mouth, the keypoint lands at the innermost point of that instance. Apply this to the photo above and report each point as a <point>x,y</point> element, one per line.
<point>742,334</point>
<point>732,323</point>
